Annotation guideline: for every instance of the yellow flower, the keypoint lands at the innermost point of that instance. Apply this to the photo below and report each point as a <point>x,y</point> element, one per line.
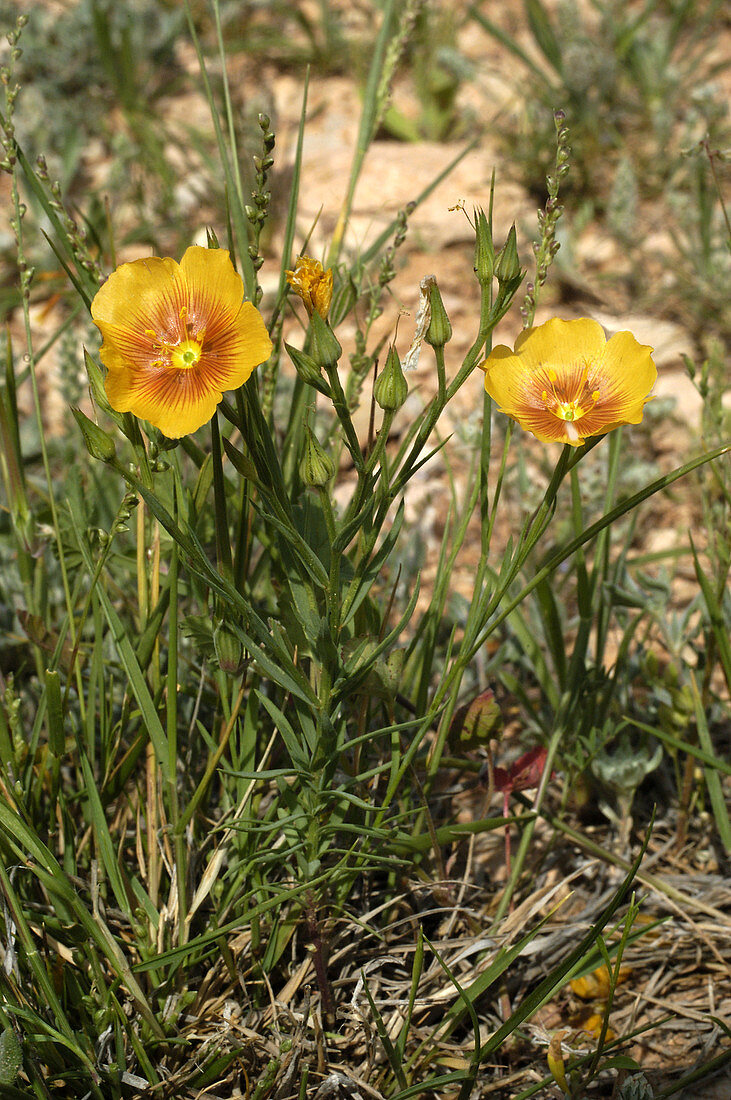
<point>176,337</point>
<point>565,381</point>
<point>313,284</point>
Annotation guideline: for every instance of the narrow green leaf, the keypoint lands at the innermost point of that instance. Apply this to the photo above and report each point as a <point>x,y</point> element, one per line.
<point>54,710</point>
<point>374,92</point>
<point>235,197</point>
<point>712,777</point>
<point>510,44</point>
<point>394,1059</point>
<point>507,606</point>
<point>707,758</point>
<point>290,226</point>
<point>299,754</point>
<point>369,569</point>
<point>417,968</point>
<point>715,613</point>
<point>11,1056</point>
<point>127,656</point>
<point>276,663</point>
<point>54,879</point>
<point>356,672</point>
<point>467,1002</point>
<point>104,843</point>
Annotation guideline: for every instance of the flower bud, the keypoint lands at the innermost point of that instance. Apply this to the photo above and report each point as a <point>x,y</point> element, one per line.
<point>439,332</point>
<point>307,369</point>
<point>508,265</point>
<point>316,466</point>
<point>99,443</point>
<point>484,250</point>
<point>391,388</point>
<point>325,347</point>
<point>229,650</point>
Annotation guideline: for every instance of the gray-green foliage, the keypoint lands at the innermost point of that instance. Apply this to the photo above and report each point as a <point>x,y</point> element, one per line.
<point>78,61</point>
<point>625,77</point>
<point>636,1087</point>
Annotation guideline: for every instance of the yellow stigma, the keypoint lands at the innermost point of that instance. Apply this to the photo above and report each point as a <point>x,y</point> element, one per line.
<point>186,355</point>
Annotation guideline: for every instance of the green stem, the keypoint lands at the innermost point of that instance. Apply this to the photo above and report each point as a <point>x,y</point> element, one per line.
<point>223,542</point>
<point>171,714</point>
<point>487,603</point>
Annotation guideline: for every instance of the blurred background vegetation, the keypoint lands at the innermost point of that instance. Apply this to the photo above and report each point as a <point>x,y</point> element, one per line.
<point>645,88</point>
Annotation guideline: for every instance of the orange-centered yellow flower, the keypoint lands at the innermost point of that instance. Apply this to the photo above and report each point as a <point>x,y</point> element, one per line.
<point>565,381</point>
<point>313,284</point>
<point>176,337</point>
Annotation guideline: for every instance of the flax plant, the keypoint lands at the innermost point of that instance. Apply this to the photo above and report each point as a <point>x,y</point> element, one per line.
<point>234,717</point>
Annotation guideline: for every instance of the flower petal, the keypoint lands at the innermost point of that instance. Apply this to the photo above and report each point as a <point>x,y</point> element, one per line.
<point>133,288</point>
<point>177,402</point>
<point>180,401</point>
<point>232,353</point>
<point>215,288</point>
<point>550,428</point>
<point>560,343</point>
<point>507,379</point>
<point>629,373</point>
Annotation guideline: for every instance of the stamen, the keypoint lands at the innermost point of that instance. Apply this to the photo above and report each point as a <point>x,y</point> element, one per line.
<point>552,378</point>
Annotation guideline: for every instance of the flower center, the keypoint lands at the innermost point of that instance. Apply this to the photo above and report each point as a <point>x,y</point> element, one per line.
<point>571,398</point>
<point>186,354</point>
<point>570,410</point>
<point>182,353</point>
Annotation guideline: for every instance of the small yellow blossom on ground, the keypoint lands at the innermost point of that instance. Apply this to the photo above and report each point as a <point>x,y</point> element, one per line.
<point>593,1025</point>
<point>565,381</point>
<point>176,337</point>
<point>313,284</point>
<point>596,986</point>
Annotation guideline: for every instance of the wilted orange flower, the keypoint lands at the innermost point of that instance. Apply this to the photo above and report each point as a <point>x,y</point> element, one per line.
<point>565,381</point>
<point>313,284</point>
<point>176,337</point>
